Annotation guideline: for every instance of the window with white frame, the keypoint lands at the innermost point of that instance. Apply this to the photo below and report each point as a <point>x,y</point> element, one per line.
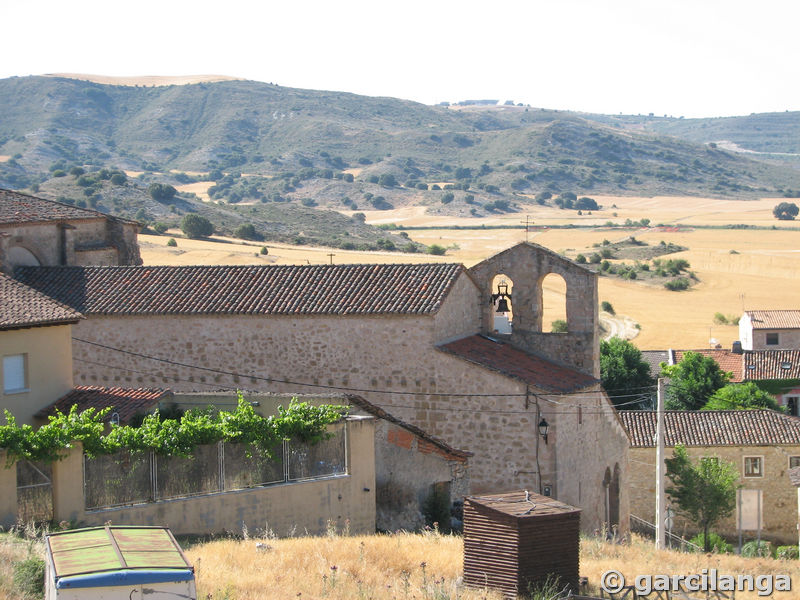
<point>15,373</point>
<point>753,466</point>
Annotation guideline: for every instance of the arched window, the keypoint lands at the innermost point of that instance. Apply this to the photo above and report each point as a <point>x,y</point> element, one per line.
<point>502,307</point>
<point>554,304</point>
<point>22,257</point>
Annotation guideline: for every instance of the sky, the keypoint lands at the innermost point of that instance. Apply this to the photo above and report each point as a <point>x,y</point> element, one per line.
<point>691,58</point>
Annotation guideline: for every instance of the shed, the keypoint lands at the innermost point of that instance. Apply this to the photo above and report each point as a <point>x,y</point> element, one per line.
<point>516,540</point>
<point>117,562</point>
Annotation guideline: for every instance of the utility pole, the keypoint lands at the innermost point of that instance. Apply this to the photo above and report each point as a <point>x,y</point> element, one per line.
<point>660,496</point>
<point>331,255</point>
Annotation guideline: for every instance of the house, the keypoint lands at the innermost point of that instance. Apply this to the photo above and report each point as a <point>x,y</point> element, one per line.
<point>35,347</point>
<point>762,444</point>
<point>35,231</point>
<point>770,330</point>
<point>414,340</point>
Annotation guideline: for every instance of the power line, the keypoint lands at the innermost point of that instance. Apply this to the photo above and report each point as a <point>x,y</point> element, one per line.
<point>411,407</point>
<point>334,387</point>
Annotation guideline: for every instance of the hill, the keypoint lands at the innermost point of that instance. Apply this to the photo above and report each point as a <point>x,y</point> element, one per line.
<point>260,144</point>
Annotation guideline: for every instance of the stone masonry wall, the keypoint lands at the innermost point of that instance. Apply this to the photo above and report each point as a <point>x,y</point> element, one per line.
<point>779,496</point>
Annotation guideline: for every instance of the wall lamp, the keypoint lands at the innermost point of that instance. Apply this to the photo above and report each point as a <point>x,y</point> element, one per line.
<point>543,427</point>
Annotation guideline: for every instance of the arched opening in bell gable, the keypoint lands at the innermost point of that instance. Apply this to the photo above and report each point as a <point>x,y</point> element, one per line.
<point>502,304</point>
<point>554,304</point>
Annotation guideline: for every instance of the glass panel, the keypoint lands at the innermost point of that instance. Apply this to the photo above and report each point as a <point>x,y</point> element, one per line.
<point>242,471</point>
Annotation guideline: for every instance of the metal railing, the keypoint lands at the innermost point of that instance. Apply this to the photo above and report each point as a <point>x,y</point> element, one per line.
<point>673,541</point>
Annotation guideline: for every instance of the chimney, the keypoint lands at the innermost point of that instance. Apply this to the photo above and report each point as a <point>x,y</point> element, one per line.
<point>736,348</point>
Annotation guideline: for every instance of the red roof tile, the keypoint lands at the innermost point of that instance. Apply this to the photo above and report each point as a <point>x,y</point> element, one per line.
<point>510,361</point>
<point>774,319</point>
<point>727,360</point>
<point>125,402</point>
<point>17,208</point>
<point>273,289</point>
<point>712,428</point>
<point>772,364</point>
<point>21,306</point>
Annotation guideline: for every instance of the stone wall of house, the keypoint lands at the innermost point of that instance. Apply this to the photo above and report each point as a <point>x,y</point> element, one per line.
<point>392,355</point>
<point>460,314</point>
<point>779,496</point>
<point>527,265</point>
<point>591,445</point>
<point>102,242</point>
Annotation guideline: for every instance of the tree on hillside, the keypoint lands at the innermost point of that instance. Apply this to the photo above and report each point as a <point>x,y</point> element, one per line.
<point>785,211</point>
<point>704,491</point>
<point>194,226</point>
<point>693,381</point>
<point>741,396</point>
<point>161,192</point>
<point>624,374</point>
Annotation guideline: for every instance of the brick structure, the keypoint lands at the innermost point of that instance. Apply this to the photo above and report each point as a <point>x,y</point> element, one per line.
<point>408,338</point>
<point>35,231</point>
<point>762,444</point>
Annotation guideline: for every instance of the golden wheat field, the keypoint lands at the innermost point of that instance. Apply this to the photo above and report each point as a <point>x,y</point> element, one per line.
<point>737,268</point>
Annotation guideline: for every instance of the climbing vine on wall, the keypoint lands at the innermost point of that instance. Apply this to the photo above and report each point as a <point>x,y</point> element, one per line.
<point>168,437</point>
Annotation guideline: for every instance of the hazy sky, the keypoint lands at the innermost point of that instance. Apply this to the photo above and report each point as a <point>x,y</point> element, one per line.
<point>676,57</point>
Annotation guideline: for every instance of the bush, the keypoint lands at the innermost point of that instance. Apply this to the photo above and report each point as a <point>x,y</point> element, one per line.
<point>677,285</point>
<point>387,180</point>
<point>264,250</point>
<point>172,243</point>
<point>160,227</point>
<point>754,548</point>
<point>715,542</point>
<point>606,306</point>
<point>720,319</point>
<point>194,226</point>
<point>436,510</point>
<point>161,192</point>
<point>580,259</point>
<point>245,232</point>
<point>595,259</point>
<point>447,198</point>
<point>786,552</point>
<point>119,179</point>
<point>559,326</point>
<point>436,249</point>
<point>29,577</point>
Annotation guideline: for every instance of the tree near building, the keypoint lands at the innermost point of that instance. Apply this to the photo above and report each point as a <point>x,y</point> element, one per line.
<point>785,211</point>
<point>741,396</point>
<point>624,374</point>
<point>705,491</point>
<point>693,381</point>
<point>194,226</point>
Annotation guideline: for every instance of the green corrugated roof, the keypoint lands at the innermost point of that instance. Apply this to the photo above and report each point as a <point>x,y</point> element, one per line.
<point>103,549</point>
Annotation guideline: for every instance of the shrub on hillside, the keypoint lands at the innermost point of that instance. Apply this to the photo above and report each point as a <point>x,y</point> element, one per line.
<point>677,285</point>
<point>246,231</point>
<point>436,249</point>
<point>194,226</point>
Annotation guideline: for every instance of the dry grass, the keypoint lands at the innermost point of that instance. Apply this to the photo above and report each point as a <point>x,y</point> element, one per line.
<point>393,567</point>
<point>389,567</point>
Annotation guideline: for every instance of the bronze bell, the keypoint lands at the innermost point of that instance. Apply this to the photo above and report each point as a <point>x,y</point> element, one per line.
<point>502,306</point>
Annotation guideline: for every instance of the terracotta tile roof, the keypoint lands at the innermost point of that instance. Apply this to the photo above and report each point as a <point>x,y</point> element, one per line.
<point>510,361</point>
<point>273,289</point>
<point>774,319</point>
<point>126,402</point>
<point>772,364</point>
<point>378,412</point>
<point>17,208</point>
<point>21,306</point>
<point>727,360</point>
<point>712,428</point>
